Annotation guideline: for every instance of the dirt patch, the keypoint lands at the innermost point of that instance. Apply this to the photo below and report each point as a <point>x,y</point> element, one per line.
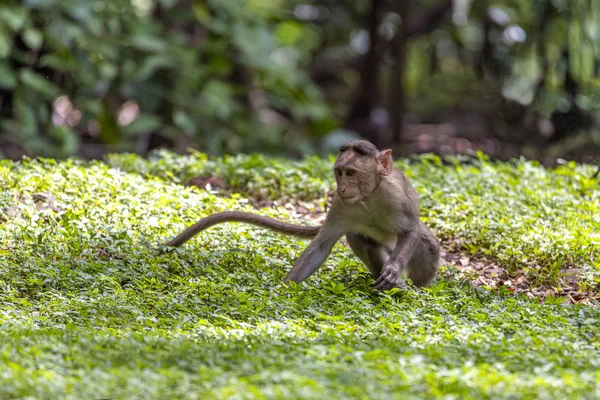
<point>486,272</point>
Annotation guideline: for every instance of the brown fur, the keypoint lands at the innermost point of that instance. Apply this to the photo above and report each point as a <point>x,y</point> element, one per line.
<point>237,216</point>
<point>377,209</point>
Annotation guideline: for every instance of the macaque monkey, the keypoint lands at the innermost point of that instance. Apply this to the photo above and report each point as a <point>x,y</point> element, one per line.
<point>374,206</point>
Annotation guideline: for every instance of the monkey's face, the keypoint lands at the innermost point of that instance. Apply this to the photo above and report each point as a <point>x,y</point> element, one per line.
<point>356,177</point>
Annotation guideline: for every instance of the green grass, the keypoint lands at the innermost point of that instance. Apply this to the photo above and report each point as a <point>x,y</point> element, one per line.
<point>90,309</point>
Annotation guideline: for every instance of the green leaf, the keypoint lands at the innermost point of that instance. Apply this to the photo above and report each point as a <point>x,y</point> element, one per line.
<point>108,70</point>
<point>289,32</point>
<point>201,12</point>
<point>25,114</point>
<point>148,43</point>
<point>8,79</point>
<point>257,44</point>
<point>143,124</point>
<point>184,122</point>
<point>38,82</point>
<point>33,38</point>
<point>152,64</point>
<point>217,99</point>
<point>14,17</point>
<point>59,62</point>
<point>5,44</point>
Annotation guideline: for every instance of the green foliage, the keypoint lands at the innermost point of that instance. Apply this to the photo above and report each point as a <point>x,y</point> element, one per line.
<point>256,175</point>
<point>188,72</point>
<point>541,54</point>
<point>89,308</point>
<point>527,216</point>
<point>273,76</point>
<point>553,30</point>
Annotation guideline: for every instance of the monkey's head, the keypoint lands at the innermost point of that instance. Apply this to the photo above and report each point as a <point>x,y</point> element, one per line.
<point>359,168</point>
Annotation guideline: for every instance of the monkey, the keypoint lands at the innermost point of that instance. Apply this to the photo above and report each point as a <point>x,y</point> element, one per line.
<point>374,206</point>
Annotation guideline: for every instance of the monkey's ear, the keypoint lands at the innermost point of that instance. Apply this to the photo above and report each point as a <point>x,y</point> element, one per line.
<point>384,159</point>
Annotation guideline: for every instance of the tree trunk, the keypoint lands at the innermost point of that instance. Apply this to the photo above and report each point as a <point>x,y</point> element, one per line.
<point>359,116</point>
<point>397,95</point>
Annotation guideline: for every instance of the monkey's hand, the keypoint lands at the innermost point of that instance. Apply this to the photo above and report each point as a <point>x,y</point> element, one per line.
<point>388,278</point>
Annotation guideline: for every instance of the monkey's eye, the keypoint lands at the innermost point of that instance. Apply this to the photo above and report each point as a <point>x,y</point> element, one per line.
<point>338,172</point>
<point>350,172</point>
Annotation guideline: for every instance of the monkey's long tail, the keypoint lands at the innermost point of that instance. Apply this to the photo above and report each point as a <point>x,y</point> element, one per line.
<point>238,216</point>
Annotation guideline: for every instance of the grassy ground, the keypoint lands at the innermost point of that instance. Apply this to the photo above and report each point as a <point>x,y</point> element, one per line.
<point>90,309</point>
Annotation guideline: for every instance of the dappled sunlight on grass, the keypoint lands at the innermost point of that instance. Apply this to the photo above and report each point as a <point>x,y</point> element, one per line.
<point>89,307</point>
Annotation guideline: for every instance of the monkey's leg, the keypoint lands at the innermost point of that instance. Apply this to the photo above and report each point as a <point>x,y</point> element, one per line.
<point>424,263</point>
<point>370,252</point>
<point>399,259</point>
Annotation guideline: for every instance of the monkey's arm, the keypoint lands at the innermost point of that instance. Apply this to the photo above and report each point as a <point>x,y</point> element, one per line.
<point>238,216</point>
<point>315,254</point>
<point>399,258</point>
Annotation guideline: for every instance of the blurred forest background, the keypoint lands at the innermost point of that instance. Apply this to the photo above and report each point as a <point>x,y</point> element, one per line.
<point>295,77</point>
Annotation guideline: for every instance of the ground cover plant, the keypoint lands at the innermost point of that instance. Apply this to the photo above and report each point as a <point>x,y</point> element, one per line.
<point>90,309</point>
<point>534,220</point>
